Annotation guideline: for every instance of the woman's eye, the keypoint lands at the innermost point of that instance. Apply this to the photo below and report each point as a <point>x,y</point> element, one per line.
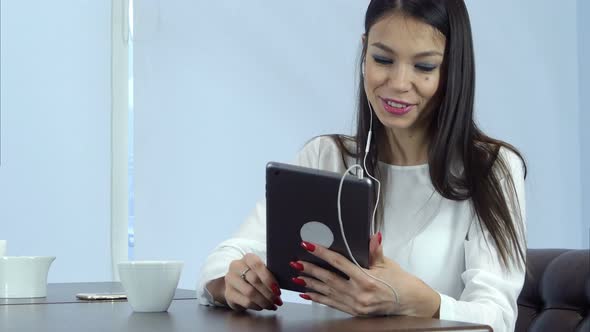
<point>383,61</point>
<point>425,67</point>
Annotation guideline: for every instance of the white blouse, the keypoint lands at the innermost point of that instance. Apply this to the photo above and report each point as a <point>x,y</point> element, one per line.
<point>436,239</point>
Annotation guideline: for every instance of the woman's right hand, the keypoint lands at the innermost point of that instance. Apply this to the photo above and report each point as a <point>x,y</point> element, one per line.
<point>257,291</point>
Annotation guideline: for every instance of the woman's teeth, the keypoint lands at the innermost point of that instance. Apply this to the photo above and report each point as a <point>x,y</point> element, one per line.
<point>396,105</point>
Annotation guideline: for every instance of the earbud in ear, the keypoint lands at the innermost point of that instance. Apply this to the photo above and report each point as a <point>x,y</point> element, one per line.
<point>363,69</point>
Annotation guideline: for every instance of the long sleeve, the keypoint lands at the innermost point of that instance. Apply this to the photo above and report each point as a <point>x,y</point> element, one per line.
<point>251,236</point>
<point>491,292</point>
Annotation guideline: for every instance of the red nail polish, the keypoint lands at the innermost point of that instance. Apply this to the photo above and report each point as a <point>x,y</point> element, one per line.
<point>305,296</point>
<point>275,289</point>
<point>379,237</point>
<point>298,281</point>
<point>296,266</point>
<point>308,246</point>
<point>278,302</point>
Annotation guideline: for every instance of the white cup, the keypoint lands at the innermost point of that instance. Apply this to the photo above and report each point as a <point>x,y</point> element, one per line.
<point>24,277</point>
<point>150,285</point>
<point>2,248</point>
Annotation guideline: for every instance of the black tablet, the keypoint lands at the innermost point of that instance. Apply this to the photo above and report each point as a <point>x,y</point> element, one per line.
<point>301,204</point>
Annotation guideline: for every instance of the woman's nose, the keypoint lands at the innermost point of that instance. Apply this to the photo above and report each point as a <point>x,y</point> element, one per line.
<point>400,78</point>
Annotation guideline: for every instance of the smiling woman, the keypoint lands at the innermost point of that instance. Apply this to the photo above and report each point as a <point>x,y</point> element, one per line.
<point>451,219</point>
<point>402,73</point>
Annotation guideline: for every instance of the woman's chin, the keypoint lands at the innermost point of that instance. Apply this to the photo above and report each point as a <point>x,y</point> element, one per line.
<point>399,123</point>
<point>408,121</point>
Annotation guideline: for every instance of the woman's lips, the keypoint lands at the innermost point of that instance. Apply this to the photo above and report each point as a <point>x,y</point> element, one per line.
<point>398,108</point>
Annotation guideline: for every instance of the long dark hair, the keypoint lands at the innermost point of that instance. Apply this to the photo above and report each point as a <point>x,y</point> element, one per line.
<point>453,134</point>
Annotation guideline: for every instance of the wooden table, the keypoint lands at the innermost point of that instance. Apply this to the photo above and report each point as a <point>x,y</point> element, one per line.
<point>188,315</point>
<point>66,293</point>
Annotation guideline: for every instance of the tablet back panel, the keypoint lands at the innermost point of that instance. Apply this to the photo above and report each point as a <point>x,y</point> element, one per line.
<point>299,197</point>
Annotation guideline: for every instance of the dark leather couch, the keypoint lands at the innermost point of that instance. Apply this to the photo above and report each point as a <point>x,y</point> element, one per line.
<point>556,292</point>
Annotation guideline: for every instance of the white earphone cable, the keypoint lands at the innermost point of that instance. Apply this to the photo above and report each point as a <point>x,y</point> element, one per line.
<point>369,137</point>
<point>395,294</point>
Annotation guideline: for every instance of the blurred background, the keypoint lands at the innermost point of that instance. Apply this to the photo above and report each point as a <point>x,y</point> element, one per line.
<point>141,130</point>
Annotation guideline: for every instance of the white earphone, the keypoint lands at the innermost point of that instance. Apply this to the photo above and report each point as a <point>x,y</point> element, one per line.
<point>369,135</point>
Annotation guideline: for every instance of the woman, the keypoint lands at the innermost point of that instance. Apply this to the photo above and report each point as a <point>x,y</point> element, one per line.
<point>451,237</point>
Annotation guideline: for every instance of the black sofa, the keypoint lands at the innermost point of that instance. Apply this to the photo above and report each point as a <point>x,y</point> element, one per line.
<point>556,292</point>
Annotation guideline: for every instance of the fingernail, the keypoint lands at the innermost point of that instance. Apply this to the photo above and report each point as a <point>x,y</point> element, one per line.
<point>278,301</point>
<point>305,296</point>
<point>379,237</point>
<point>275,289</point>
<point>308,246</point>
<point>298,281</point>
<point>296,266</point>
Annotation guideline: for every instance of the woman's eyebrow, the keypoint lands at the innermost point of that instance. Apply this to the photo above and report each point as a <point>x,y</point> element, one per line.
<point>417,55</point>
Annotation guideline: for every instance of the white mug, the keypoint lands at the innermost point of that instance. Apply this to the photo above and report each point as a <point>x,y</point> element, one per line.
<point>24,276</point>
<point>150,285</point>
<point>2,248</point>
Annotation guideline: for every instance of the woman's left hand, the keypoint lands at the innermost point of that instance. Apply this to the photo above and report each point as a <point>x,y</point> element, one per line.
<point>362,295</point>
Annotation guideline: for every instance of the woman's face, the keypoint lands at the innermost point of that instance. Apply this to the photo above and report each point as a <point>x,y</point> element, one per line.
<point>402,70</point>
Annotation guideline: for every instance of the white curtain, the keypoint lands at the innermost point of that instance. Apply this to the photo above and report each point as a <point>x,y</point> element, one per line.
<point>55,134</point>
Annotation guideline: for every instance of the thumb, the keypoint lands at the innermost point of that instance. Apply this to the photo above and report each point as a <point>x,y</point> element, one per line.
<point>376,250</point>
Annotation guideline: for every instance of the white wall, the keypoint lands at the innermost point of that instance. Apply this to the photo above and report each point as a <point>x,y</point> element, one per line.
<point>55,134</point>
<point>218,94</point>
<point>527,94</point>
<point>223,87</point>
<point>584,56</point>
